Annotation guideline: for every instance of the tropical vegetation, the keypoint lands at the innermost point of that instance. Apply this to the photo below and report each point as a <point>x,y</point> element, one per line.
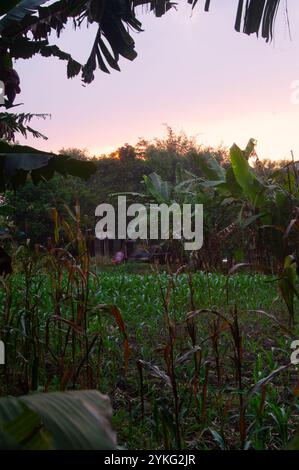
<point>194,352</point>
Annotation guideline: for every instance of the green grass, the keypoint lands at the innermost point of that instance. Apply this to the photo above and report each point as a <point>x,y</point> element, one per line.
<point>138,295</point>
<point>147,420</point>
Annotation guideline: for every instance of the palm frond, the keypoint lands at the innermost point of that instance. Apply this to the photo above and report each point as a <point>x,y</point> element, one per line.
<point>114,19</point>
<point>257,16</point>
<point>11,123</point>
<point>254,15</point>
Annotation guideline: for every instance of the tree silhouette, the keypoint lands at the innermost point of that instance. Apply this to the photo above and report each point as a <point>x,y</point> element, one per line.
<point>26,28</point>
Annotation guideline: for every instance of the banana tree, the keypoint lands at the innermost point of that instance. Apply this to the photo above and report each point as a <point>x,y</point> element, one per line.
<point>19,17</point>
<point>255,208</point>
<point>20,162</point>
<point>79,420</point>
<point>26,27</point>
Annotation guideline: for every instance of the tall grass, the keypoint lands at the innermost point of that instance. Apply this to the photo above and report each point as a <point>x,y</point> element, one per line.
<point>182,356</point>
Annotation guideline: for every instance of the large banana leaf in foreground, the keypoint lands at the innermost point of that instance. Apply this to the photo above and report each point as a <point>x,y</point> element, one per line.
<point>17,162</point>
<point>9,5</point>
<point>79,420</point>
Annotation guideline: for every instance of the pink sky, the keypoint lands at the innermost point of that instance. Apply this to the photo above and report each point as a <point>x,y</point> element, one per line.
<point>192,72</point>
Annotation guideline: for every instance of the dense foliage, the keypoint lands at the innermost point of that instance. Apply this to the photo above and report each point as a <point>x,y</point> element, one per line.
<point>190,358</point>
<point>29,209</point>
<point>212,351</point>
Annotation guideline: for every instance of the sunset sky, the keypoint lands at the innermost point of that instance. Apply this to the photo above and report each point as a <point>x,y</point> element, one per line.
<point>193,72</point>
